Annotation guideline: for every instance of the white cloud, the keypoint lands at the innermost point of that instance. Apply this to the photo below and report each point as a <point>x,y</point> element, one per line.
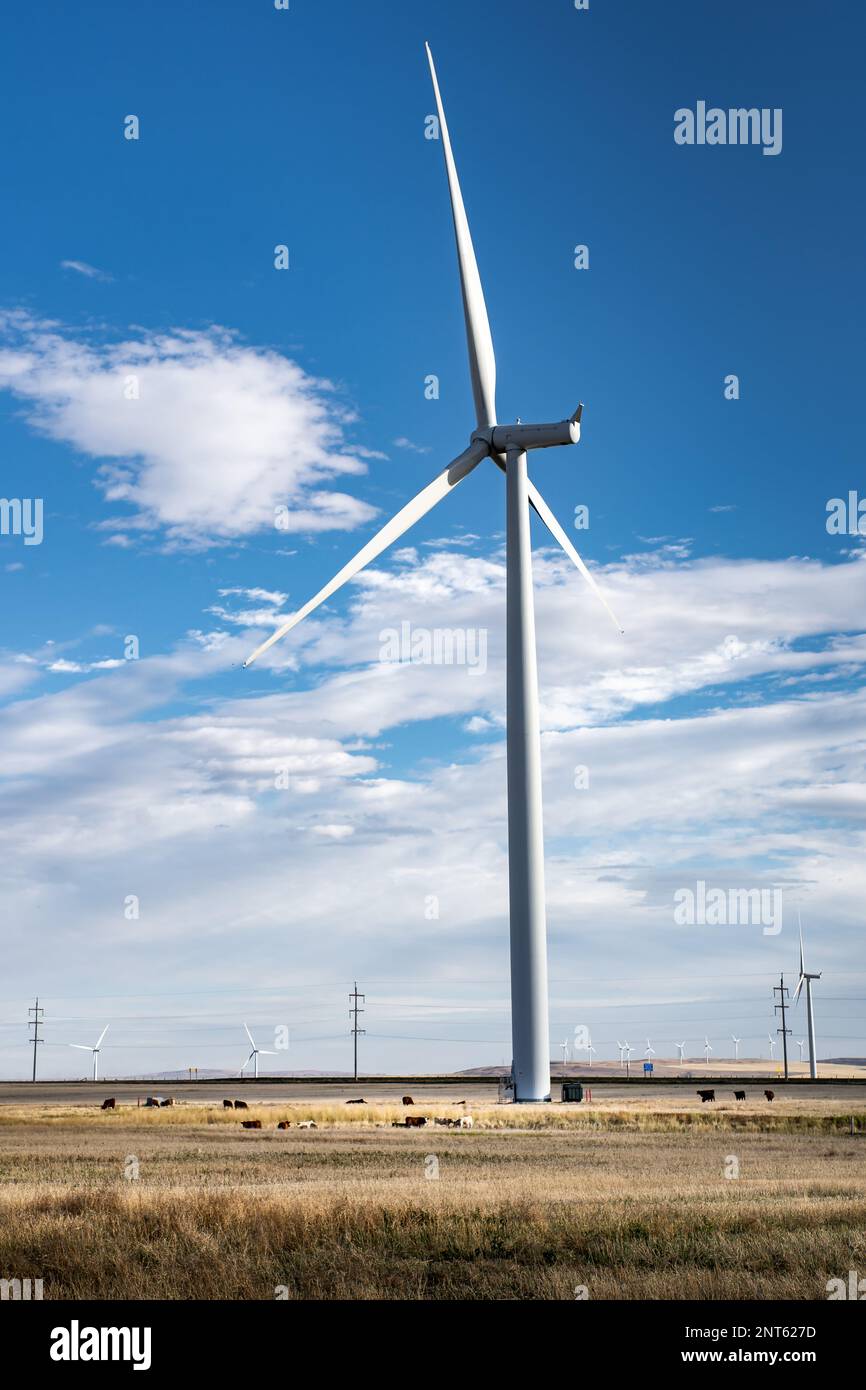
<point>202,436</point>
<point>90,272</point>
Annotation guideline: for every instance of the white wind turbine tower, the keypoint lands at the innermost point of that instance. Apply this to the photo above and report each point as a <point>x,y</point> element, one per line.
<point>628,1052</point>
<point>772,1041</point>
<point>564,1046</point>
<point>707,1050</point>
<point>650,1051</point>
<point>254,1055</point>
<point>95,1050</point>
<point>806,979</point>
<point>801,1043</point>
<point>507,446</point>
<point>736,1042</point>
<point>681,1047</point>
<point>622,1047</point>
<point>590,1049</point>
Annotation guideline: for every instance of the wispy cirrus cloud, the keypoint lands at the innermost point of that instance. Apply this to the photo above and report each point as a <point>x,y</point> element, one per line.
<point>90,272</point>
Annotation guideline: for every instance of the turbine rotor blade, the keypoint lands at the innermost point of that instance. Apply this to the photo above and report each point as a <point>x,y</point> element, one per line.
<point>81,1047</point>
<point>482,362</point>
<point>559,534</point>
<point>101,1036</point>
<point>250,1036</point>
<point>390,532</point>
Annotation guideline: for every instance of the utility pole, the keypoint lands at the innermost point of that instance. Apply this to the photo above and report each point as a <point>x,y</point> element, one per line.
<point>782,992</point>
<point>353,1014</point>
<point>34,1024</point>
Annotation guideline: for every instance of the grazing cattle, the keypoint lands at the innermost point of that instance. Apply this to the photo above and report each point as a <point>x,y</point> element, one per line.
<point>361,1101</point>
<point>706,1095</point>
<point>407,1100</point>
<point>284,1124</point>
<point>168,1101</point>
<point>109,1104</point>
<point>241,1105</point>
<point>251,1124</point>
<point>465,1122</point>
<point>415,1121</point>
<point>308,1124</point>
<point>228,1104</point>
<point>739,1095</point>
<point>769,1094</point>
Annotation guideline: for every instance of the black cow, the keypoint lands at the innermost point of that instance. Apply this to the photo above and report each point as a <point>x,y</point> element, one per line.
<point>770,1095</point>
<point>241,1105</point>
<point>407,1100</point>
<point>706,1095</point>
<point>361,1101</point>
<point>251,1124</point>
<point>110,1104</point>
<point>228,1105</point>
<point>739,1095</point>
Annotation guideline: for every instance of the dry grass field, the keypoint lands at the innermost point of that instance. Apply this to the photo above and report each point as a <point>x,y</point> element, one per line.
<point>625,1201</point>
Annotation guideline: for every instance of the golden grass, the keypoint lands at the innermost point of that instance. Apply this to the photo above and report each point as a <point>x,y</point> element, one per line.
<point>629,1210</point>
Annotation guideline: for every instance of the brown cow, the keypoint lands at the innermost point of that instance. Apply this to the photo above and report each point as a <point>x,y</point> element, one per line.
<point>228,1105</point>
<point>770,1094</point>
<point>110,1104</point>
<point>415,1121</point>
<point>241,1105</point>
<point>284,1124</point>
<point>251,1124</point>
<point>739,1095</point>
<point>407,1100</point>
<point>706,1095</point>
<point>169,1100</point>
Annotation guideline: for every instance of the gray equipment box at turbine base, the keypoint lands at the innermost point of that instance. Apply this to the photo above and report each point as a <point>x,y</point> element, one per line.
<point>572,1090</point>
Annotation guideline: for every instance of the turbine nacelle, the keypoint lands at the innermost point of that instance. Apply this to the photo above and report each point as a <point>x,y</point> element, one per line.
<point>501,439</point>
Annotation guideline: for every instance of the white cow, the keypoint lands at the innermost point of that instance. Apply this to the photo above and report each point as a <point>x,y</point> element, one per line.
<point>465,1122</point>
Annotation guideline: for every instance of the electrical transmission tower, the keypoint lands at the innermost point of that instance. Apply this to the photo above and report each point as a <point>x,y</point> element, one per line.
<point>782,992</point>
<point>353,1014</point>
<point>34,1024</point>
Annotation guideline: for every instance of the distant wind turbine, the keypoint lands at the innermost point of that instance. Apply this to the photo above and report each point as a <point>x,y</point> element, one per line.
<point>94,1050</point>
<point>801,1043</point>
<point>681,1047</point>
<point>650,1050</point>
<point>622,1048</point>
<point>806,979</point>
<point>564,1046</point>
<point>772,1041</point>
<point>507,447</point>
<point>590,1049</point>
<point>254,1055</point>
<point>707,1049</point>
<point>736,1042</point>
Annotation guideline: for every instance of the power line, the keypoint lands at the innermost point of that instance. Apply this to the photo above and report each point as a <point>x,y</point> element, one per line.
<point>356,1031</point>
<point>34,1024</point>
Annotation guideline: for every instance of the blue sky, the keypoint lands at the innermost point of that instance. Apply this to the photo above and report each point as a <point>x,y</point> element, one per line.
<point>723,734</point>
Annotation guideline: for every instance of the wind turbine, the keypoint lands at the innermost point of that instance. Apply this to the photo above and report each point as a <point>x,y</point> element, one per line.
<point>806,978</point>
<point>707,1050</point>
<point>736,1042</point>
<point>564,1046</point>
<point>681,1047</point>
<point>507,446</point>
<point>772,1041</point>
<point>95,1050</point>
<point>650,1051</point>
<point>254,1055</point>
<point>622,1047</point>
<point>590,1049</point>
<point>801,1043</point>
<point>628,1052</point>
